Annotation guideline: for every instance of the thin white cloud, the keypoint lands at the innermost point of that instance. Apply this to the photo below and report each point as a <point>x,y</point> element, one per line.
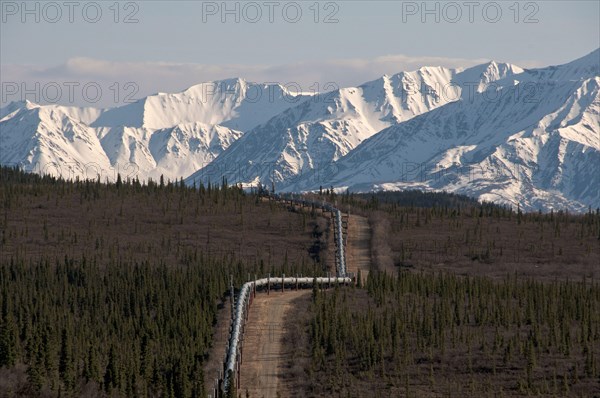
<point>42,84</point>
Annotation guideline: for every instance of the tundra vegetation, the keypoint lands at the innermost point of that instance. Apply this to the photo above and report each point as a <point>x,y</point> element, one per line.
<point>114,289</point>
<point>462,299</point>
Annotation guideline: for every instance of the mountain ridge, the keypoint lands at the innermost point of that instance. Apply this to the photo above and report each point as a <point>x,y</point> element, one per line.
<point>526,136</point>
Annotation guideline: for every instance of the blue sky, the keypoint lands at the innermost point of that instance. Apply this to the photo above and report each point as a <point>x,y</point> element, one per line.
<point>171,45</point>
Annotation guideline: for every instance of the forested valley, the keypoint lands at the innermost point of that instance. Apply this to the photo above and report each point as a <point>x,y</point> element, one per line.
<point>113,289</point>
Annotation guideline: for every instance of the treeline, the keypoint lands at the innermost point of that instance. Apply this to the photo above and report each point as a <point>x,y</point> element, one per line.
<point>416,198</point>
<point>446,203</point>
<point>383,200</point>
<point>423,334</point>
<point>14,182</point>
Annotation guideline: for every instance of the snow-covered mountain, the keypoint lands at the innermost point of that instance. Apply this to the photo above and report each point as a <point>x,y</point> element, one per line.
<point>328,126</point>
<point>50,139</point>
<point>172,152</point>
<point>494,131</point>
<point>233,103</point>
<point>534,141</point>
<point>165,134</point>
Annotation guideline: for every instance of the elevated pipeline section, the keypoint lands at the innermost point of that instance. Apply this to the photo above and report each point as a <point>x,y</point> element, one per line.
<point>340,244</point>
<point>231,368</point>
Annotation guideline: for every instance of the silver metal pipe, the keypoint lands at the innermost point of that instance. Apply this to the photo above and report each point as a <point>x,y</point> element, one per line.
<point>242,306</point>
<point>242,302</point>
